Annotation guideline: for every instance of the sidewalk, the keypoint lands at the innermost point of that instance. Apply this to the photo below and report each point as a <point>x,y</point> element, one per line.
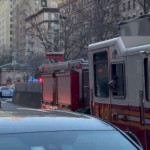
<point>8,100</point>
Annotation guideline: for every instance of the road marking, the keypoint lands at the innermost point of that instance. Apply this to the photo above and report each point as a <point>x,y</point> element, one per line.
<point>1,112</point>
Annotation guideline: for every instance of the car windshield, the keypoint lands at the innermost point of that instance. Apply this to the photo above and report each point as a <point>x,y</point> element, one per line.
<point>66,140</point>
<point>5,88</point>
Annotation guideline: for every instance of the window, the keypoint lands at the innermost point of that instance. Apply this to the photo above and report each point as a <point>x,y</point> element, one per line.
<point>55,26</point>
<point>112,10</point>
<point>43,3</point>
<point>54,4</point>
<point>128,5</point>
<point>5,89</point>
<point>141,13</point>
<point>133,4</point>
<point>124,7</point>
<point>37,2</point>
<point>101,74</point>
<point>146,79</point>
<point>134,16</point>
<point>108,12</point>
<point>118,71</point>
<point>56,16</point>
<point>49,16</point>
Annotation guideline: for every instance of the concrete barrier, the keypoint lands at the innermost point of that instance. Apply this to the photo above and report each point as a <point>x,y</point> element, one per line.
<point>28,94</point>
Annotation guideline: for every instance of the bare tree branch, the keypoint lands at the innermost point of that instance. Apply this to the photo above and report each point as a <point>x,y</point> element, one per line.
<point>145,5</point>
<point>79,29</point>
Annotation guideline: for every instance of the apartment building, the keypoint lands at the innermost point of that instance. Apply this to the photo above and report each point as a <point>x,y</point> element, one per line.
<point>5,25</point>
<point>21,10</point>
<point>130,9</point>
<point>127,9</point>
<point>99,17</point>
<point>41,30</point>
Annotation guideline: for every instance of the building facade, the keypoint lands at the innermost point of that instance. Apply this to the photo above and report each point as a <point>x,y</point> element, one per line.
<point>128,9</point>
<point>21,10</point>
<point>8,77</point>
<point>41,30</point>
<point>99,18</point>
<point>5,25</point>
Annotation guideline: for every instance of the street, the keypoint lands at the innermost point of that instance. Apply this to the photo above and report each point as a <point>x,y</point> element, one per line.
<point>7,105</point>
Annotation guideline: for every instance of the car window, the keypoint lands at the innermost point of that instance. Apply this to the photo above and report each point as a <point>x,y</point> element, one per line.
<point>71,140</point>
<point>5,89</point>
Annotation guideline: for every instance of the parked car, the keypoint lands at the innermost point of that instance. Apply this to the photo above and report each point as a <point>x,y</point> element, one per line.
<point>12,91</point>
<point>59,130</point>
<point>6,92</point>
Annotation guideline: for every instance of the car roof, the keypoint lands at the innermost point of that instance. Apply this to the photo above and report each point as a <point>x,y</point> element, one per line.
<point>30,120</point>
<point>3,87</point>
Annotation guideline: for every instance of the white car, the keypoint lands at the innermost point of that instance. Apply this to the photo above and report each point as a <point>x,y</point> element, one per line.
<point>6,92</point>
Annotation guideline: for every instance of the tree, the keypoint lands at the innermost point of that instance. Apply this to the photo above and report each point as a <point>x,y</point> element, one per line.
<point>105,18</point>
<point>35,63</point>
<point>66,39</point>
<point>145,5</point>
<point>42,34</point>
<point>52,39</point>
<point>40,31</point>
<point>78,29</point>
<point>73,37</point>
<point>88,24</point>
<point>5,55</point>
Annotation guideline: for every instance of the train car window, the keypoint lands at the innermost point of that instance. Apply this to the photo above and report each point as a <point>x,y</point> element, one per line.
<point>119,74</point>
<point>101,74</point>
